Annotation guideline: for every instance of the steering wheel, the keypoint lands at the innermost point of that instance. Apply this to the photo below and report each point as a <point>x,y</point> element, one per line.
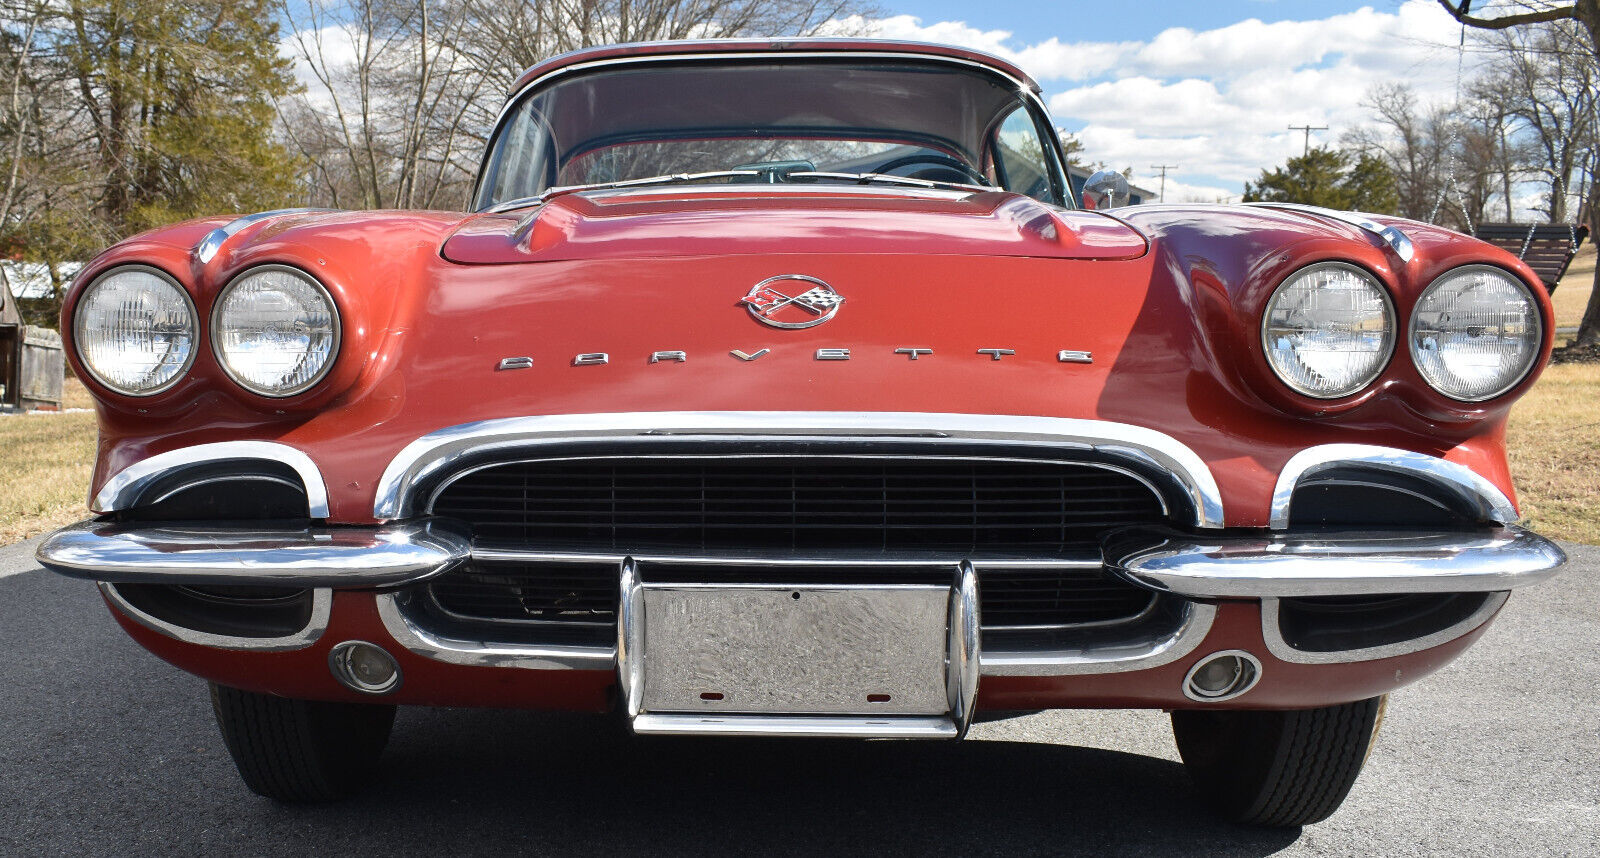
<point>936,161</point>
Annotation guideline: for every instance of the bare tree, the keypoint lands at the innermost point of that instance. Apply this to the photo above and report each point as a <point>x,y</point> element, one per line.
<point>1415,143</point>
<point>1586,15</point>
<point>404,93</point>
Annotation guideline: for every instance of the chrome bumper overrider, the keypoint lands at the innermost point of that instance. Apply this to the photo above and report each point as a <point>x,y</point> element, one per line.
<point>339,557</point>
<point>1334,564</point>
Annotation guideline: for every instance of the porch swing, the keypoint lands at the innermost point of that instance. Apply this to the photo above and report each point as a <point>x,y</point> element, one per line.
<point>1547,248</point>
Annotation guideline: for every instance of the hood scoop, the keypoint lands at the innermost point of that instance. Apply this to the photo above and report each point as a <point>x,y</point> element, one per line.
<point>720,222</point>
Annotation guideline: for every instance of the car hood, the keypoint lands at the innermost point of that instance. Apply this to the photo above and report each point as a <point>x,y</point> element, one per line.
<point>657,223</point>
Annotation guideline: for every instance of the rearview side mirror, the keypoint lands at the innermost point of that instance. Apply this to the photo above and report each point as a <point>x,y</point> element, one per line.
<point>1106,189</point>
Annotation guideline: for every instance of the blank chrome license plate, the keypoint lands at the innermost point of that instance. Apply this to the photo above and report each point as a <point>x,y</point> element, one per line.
<point>798,650</point>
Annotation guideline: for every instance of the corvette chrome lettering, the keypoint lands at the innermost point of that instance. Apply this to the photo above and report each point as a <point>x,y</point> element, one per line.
<point>1070,356</point>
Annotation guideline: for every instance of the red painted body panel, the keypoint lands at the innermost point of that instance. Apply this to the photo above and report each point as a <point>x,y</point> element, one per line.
<point>1174,334</point>
<point>722,220</point>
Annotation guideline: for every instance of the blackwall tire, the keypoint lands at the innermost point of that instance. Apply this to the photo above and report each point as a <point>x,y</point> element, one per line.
<point>301,750</point>
<point>1277,768</point>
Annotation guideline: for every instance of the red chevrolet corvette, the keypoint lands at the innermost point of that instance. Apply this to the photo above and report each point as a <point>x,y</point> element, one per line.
<point>791,388</point>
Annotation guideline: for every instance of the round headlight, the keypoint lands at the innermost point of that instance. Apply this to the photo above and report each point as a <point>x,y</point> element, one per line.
<point>275,331</point>
<point>1328,330</point>
<point>135,330</point>
<point>1475,333</point>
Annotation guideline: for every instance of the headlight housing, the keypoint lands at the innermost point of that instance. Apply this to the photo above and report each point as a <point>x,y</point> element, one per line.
<point>275,330</point>
<point>135,329</point>
<point>1328,330</point>
<point>1475,333</point>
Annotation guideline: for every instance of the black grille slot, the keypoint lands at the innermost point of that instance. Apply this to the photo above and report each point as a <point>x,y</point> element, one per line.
<point>798,504</point>
<point>572,593</point>
<point>583,596</point>
<point>1057,597</point>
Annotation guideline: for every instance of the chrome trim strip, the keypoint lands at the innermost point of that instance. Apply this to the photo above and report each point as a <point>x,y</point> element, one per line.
<point>213,241</point>
<point>1491,503</point>
<point>1397,240</point>
<point>486,653</point>
<point>965,649</point>
<point>441,450</point>
<point>1339,564</point>
<point>817,726</point>
<point>321,609</point>
<point>123,489</point>
<point>1142,650</point>
<point>433,497</point>
<point>319,557</point>
<point>511,555</point>
<point>1281,650</point>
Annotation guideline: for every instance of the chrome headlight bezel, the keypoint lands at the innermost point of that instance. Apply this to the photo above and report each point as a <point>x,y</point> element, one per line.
<point>221,354</point>
<point>1529,361</point>
<point>1391,331</point>
<point>79,339</point>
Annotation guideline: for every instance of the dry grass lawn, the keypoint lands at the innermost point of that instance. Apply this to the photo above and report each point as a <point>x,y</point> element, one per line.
<point>45,460</point>
<point>1573,294</point>
<point>1554,440</point>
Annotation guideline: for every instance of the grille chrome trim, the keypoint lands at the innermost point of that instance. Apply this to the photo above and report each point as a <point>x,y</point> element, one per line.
<point>1173,629</point>
<point>484,653</point>
<point>441,451</point>
<point>1490,503</point>
<point>1143,649</point>
<point>321,610</point>
<point>1281,649</point>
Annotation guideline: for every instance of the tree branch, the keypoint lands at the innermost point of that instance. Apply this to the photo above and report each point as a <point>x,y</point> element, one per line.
<point>1558,13</point>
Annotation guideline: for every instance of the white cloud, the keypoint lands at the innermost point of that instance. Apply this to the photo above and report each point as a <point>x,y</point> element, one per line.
<point>1219,102</point>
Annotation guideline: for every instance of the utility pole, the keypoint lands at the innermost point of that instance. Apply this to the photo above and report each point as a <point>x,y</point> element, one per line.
<point>1163,168</point>
<point>1308,129</point>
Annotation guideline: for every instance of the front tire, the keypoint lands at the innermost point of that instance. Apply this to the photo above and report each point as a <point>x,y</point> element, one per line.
<point>301,750</point>
<point>1277,768</point>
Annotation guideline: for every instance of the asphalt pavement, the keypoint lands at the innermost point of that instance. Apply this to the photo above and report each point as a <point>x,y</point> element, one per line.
<point>105,750</point>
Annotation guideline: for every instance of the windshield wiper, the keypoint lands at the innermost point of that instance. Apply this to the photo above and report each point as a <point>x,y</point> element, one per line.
<point>868,178</point>
<point>669,179</point>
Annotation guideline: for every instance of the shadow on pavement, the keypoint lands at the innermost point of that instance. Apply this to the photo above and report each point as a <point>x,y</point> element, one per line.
<point>106,750</point>
<point>489,781</point>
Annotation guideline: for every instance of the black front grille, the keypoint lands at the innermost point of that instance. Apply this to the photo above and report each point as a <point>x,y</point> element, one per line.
<point>799,504</point>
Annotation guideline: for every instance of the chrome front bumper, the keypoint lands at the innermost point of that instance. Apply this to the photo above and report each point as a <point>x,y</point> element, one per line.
<point>391,555</point>
<point>1275,565</point>
<point>1290,565</point>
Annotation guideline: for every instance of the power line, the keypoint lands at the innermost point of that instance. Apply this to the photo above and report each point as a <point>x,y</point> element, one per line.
<point>1308,129</point>
<point>1162,197</point>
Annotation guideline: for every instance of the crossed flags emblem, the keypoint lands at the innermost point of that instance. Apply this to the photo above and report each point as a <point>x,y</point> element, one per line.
<point>768,300</point>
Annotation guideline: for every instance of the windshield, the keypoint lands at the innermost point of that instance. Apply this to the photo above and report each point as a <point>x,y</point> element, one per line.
<point>925,120</point>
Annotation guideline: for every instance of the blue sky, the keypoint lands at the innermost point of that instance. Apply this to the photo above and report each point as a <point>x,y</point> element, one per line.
<point>1072,20</point>
<point>1208,85</point>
